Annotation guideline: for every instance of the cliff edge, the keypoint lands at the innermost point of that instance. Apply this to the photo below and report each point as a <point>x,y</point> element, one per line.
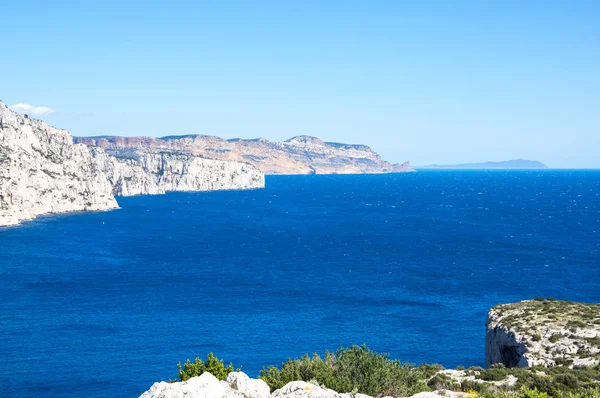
<point>543,332</point>
<point>298,155</point>
<point>43,171</point>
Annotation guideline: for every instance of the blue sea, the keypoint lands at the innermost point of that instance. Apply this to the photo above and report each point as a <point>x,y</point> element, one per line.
<point>105,304</point>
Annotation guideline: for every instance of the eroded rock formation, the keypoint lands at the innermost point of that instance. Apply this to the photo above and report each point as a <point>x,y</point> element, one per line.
<point>543,332</point>
<point>43,171</point>
<point>298,155</point>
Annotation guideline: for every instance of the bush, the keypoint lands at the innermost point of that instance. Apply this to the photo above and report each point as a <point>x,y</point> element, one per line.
<point>494,374</point>
<point>537,337</point>
<point>353,370</point>
<point>212,365</point>
<point>443,382</point>
<point>532,393</point>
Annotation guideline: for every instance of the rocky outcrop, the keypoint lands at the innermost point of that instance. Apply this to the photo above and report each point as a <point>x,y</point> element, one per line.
<point>543,332</point>
<point>239,385</point>
<point>298,155</point>
<point>157,173</point>
<point>43,171</point>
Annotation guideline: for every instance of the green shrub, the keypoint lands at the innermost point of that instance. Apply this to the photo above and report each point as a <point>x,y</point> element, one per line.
<point>212,365</point>
<point>442,382</point>
<point>576,324</point>
<point>354,370</point>
<point>427,371</point>
<point>537,337</point>
<point>494,374</point>
<point>532,393</point>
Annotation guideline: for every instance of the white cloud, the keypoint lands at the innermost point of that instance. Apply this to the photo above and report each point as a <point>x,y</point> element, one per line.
<point>34,110</point>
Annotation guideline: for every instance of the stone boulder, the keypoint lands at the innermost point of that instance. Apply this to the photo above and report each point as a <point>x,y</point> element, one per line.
<point>302,389</point>
<point>250,388</point>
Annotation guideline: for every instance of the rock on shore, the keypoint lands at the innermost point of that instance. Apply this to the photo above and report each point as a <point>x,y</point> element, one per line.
<point>543,332</point>
<point>239,385</point>
<point>42,171</point>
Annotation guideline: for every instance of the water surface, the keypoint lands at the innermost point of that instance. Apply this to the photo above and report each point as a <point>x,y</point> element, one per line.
<point>104,304</point>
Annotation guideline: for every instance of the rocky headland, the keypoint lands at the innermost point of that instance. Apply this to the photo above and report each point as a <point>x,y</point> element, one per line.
<point>43,171</point>
<point>543,332</point>
<point>298,155</point>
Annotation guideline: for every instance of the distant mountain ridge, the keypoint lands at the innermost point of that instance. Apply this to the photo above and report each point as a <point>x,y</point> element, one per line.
<point>516,164</point>
<point>298,155</point>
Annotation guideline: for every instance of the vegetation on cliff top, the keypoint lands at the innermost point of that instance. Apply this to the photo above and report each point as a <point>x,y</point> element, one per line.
<point>359,370</point>
<point>555,332</point>
<point>528,314</point>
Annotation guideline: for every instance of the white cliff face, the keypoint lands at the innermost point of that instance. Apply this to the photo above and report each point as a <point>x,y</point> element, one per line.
<point>299,155</point>
<point>42,171</point>
<point>504,346</point>
<point>156,173</point>
<point>543,332</point>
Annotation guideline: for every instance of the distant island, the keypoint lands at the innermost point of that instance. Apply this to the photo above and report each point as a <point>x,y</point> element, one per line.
<point>516,164</point>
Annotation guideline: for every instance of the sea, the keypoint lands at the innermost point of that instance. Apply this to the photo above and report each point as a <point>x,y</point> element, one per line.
<point>105,304</point>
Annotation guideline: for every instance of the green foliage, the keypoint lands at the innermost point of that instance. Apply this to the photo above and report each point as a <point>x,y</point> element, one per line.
<point>532,393</point>
<point>355,370</point>
<point>360,370</point>
<point>576,324</point>
<point>494,374</point>
<point>443,382</point>
<point>537,337</point>
<point>212,365</point>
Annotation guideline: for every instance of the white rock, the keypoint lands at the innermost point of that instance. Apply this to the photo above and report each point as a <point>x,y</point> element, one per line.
<point>440,394</point>
<point>42,171</point>
<point>249,388</point>
<point>204,386</point>
<point>542,332</point>
<point>302,389</point>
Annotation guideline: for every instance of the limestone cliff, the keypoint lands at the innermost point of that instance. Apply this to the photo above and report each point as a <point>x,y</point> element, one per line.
<point>298,155</point>
<point>43,171</point>
<point>543,332</point>
<point>157,173</point>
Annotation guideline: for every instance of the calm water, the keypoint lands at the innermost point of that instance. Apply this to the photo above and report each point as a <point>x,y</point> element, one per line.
<point>104,304</point>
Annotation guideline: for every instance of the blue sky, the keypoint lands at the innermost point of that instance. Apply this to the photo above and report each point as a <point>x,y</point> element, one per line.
<point>429,81</point>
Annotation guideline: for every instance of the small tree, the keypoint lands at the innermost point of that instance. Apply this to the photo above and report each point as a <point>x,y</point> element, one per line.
<point>213,365</point>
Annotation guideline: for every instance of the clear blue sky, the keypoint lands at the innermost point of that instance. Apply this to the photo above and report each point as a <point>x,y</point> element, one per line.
<point>430,81</point>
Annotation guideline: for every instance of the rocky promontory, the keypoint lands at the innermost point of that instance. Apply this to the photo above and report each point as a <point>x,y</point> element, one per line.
<point>298,155</point>
<point>43,171</point>
<point>543,332</point>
